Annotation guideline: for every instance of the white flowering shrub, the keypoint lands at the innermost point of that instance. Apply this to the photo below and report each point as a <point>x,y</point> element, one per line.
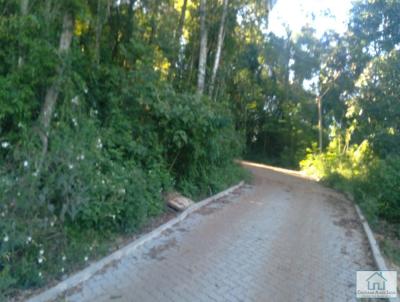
<point>55,214</point>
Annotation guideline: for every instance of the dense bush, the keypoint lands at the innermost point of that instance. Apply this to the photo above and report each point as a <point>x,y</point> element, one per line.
<point>102,179</point>
<point>339,160</point>
<point>374,182</point>
<point>120,135</point>
<point>382,185</point>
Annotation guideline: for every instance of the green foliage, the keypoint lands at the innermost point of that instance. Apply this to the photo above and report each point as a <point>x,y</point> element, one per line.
<point>391,249</point>
<point>120,134</point>
<point>373,182</point>
<point>98,181</point>
<point>78,186</point>
<point>383,182</point>
<point>339,159</point>
<point>272,106</point>
<point>374,23</point>
<point>376,109</point>
<point>362,157</point>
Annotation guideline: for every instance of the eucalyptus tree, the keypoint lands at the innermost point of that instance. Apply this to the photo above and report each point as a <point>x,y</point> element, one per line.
<point>221,35</point>
<point>201,73</point>
<point>53,90</point>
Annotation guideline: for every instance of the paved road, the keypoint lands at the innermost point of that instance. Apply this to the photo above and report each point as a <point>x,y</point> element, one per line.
<point>283,238</point>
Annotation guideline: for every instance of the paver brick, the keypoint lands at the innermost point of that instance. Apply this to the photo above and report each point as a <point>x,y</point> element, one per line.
<point>282,239</point>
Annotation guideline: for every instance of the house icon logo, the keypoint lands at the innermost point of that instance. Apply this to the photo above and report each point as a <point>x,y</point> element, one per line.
<point>376,281</point>
<point>376,284</point>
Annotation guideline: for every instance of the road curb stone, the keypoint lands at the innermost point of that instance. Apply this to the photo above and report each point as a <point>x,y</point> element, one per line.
<point>376,253</point>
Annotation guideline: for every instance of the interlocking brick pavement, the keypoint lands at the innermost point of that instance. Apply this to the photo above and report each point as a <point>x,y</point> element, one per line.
<point>283,238</point>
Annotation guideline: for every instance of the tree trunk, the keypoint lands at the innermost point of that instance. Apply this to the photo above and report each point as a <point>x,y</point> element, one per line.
<point>114,29</point>
<point>99,27</point>
<point>53,91</point>
<point>153,24</point>
<point>177,37</point>
<point>201,74</point>
<point>129,23</point>
<point>24,12</point>
<point>181,23</point>
<point>220,43</point>
<point>24,7</point>
<point>320,111</point>
<point>319,103</point>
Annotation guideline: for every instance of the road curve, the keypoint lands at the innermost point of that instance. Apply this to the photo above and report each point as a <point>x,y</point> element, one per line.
<point>282,238</point>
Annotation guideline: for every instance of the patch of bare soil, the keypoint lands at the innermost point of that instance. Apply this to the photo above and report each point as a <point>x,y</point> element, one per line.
<point>207,210</point>
<point>112,264</point>
<point>217,204</point>
<point>347,223</point>
<point>340,204</point>
<point>69,292</point>
<point>345,214</point>
<point>182,230</point>
<point>156,251</point>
